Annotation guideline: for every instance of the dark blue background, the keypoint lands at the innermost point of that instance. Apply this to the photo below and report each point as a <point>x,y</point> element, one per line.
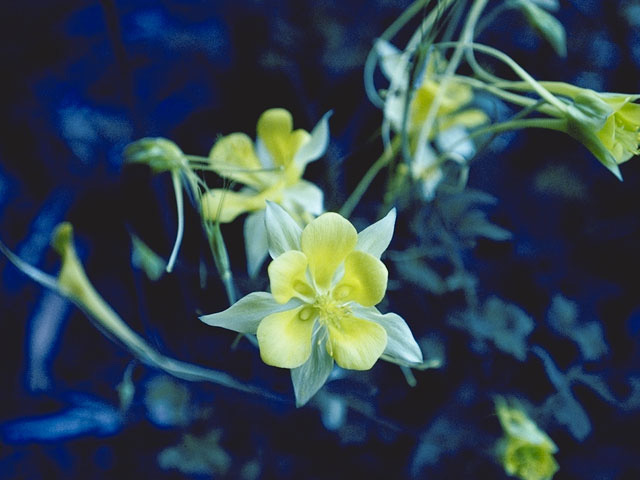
<point>82,79</point>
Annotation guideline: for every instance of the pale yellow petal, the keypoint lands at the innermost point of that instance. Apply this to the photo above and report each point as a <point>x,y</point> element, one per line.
<point>326,242</point>
<point>630,115</point>
<point>275,131</point>
<point>234,157</point>
<point>364,281</point>
<point>225,205</point>
<point>284,338</point>
<point>355,343</point>
<point>470,118</point>
<point>607,133</point>
<point>287,274</point>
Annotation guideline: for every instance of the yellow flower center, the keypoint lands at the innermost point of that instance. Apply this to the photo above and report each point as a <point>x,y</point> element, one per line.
<point>330,311</point>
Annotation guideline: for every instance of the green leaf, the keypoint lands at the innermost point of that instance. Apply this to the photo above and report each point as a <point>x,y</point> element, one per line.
<point>548,26</point>
<point>418,273</point>
<point>563,319</point>
<point>147,260</point>
<point>503,324</point>
<point>197,456</point>
<point>474,224</point>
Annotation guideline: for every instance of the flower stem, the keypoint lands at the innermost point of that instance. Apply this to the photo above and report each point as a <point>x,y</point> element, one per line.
<point>459,48</point>
<point>501,91</point>
<point>547,123</point>
<point>521,72</point>
<point>221,259</point>
<point>177,187</point>
<point>361,188</point>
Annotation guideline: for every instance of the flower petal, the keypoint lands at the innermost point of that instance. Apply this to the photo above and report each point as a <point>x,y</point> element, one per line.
<point>308,378</point>
<point>326,242</point>
<point>245,315</point>
<point>225,205</point>
<point>283,233</point>
<point>394,106</point>
<point>315,147</point>
<point>630,114</point>
<point>456,140</point>
<point>288,277</point>
<point>393,62</point>
<point>234,157</point>
<point>355,343</point>
<point>303,197</point>
<point>400,341</point>
<point>364,280</point>
<point>284,338</point>
<point>255,241</point>
<point>584,135</point>
<point>275,131</point>
<point>376,237</point>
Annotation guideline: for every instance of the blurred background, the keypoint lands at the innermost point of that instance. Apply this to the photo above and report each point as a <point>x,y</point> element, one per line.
<point>83,79</point>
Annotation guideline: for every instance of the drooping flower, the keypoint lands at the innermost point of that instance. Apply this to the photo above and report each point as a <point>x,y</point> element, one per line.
<point>271,169</point>
<point>325,282</point>
<point>525,450</point>
<point>608,124</point>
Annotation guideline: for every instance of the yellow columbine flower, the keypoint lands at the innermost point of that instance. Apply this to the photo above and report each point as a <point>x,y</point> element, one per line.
<point>271,169</point>
<point>608,124</point>
<point>525,450</point>
<point>325,283</point>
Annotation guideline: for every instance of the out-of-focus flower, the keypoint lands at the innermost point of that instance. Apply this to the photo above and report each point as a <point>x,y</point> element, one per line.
<point>453,117</point>
<point>325,283</point>
<point>453,109</point>
<point>525,451</point>
<point>271,169</point>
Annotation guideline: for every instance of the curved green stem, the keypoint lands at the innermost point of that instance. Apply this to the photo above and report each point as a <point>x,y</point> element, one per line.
<point>467,30</point>
<point>514,98</point>
<point>76,287</point>
<point>557,124</point>
<point>29,270</point>
<point>361,188</point>
<point>221,259</point>
<point>177,187</point>
<point>518,70</point>
<point>372,57</point>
